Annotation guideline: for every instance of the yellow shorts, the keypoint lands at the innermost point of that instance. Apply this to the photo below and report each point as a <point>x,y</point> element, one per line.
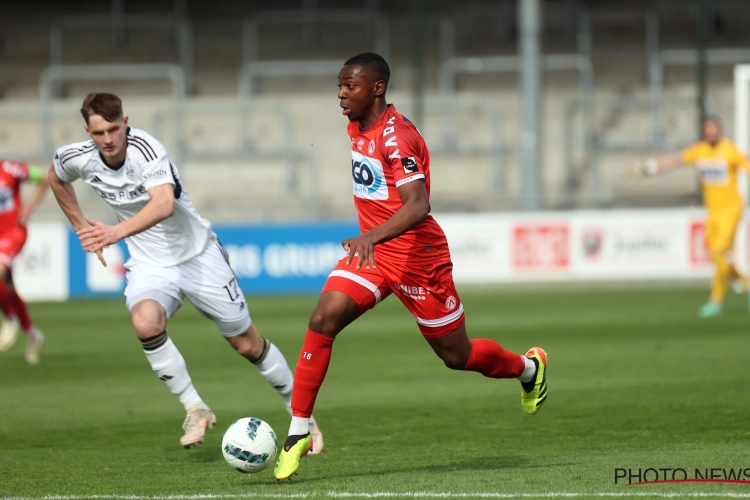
<point>720,229</point>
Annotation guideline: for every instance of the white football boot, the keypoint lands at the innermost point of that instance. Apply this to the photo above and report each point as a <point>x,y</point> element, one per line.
<point>8,333</point>
<point>198,419</point>
<point>317,436</point>
<point>34,343</point>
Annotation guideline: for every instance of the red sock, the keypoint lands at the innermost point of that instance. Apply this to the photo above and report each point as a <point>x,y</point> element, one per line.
<point>310,372</point>
<point>491,360</point>
<point>5,299</point>
<point>19,309</point>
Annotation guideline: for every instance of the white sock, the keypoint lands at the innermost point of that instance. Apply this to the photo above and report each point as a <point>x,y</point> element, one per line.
<point>299,426</point>
<point>32,333</point>
<point>274,368</point>
<point>528,372</point>
<point>169,366</point>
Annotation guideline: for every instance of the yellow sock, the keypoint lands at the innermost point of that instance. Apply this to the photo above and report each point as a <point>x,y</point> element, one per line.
<point>724,269</point>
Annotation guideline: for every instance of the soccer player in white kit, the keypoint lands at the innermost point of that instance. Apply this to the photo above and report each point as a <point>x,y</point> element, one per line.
<point>174,253</point>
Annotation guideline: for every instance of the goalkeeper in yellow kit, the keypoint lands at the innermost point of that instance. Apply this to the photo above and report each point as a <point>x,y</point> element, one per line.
<point>718,160</point>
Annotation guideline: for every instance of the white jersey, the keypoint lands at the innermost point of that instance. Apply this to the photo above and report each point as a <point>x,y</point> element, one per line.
<point>172,241</point>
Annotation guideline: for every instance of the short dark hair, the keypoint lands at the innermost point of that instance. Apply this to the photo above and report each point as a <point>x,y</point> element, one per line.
<point>108,106</point>
<point>373,64</point>
<point>712,118</point>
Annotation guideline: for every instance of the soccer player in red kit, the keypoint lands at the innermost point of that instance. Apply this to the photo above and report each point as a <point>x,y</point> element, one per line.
<point>13,218</point>
<point>402,251</point>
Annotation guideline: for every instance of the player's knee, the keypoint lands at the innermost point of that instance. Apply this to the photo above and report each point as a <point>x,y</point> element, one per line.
<point>324,323</point>
<point>146,327</point>
<point>454,360</point>
<point>148,322</point>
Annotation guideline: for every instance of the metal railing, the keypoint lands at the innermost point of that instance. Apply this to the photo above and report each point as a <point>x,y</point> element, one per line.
<point>253,68</point>
<point>286,151</point>
<point>496,148</point>
<point>117,22</point>
<point>21,113</point>
<point>575,17</point>
<point>597,144</point>
<point>250,71</point>
<point>372,20</point>
<point>54,74</point>
<point>452,67</point>
<point>682,57</point>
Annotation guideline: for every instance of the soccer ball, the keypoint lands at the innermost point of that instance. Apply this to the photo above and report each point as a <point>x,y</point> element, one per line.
<point>249,445</point>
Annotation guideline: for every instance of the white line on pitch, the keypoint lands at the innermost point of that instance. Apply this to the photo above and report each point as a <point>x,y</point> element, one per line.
<point>391,494</point>
<point>433,494</point>
<point>205,496</point>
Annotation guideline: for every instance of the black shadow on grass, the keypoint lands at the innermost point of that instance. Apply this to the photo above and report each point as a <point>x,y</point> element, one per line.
<point>200,453</point>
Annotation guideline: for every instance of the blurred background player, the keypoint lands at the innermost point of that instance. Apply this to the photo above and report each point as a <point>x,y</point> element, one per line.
<point>174,253</point>
<point>402,250</point>
<point>718,160</point>
<point>13,218</point>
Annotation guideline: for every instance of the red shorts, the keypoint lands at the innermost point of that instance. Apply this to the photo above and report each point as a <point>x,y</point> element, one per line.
<point>426,290</point>
<point>11,244</point>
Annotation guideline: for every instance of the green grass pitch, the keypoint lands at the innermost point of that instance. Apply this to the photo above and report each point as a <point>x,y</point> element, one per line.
<point>635,381</point>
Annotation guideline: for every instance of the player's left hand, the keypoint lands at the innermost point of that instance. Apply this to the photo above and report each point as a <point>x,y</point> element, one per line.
<point>363,247</point>
<point>97,236</point>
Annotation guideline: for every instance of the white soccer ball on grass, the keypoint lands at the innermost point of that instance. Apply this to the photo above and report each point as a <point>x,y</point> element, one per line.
<point>249,445</point>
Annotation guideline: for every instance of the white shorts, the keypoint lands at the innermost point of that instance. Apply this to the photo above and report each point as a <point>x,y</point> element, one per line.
<point>206,280</point>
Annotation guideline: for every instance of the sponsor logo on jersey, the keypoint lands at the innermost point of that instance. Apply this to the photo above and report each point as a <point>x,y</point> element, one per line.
<point>14,169</point>
<point>123,195</point>
<point>714,172</point>
<point>410,165</point>
<point>156,175</point>
<point>6,199</point>
<point>414,292</point>
<point>368,178</point>
<point>371,147</point>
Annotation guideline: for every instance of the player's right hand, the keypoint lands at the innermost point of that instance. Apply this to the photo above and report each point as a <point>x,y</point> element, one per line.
<point>101,258</point>
<point>645,168</point>
<point>363,248</point>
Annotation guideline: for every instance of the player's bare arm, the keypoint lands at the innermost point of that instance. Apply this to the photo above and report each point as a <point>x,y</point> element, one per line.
<point>97,235</point>
<point>653,166</point>
<point>415,209</point>
<point>66,198</point>
<point>712,134</point>
<point>36,198</point>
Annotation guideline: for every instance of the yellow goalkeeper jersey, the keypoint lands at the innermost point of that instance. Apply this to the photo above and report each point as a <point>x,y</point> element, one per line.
<point>718,168</point>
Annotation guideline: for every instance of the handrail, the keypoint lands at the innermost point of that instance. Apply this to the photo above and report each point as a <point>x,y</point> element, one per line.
<point>252,70</point>
<point>595,146</point>
<point>512,64</point>
<point>182,26</point>
<point>53,74</point>
<point>683,57</point>
<point>288,152</point>
<point>372,18</point>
